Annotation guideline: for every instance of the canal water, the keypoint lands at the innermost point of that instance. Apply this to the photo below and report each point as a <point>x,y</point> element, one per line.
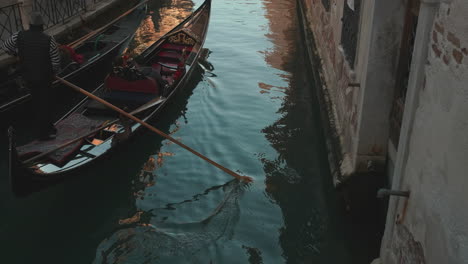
<point>253,110</point>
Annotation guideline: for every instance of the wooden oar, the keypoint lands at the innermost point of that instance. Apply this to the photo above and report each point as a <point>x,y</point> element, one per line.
<point>77,42</point>
<point>157,131</point>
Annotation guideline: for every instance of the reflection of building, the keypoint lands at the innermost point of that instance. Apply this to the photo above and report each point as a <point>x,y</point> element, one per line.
<point>167,18</point>
<point>144,36</point>
<point>395,74</point>
<point>281,35</point>
<point>297,178</point>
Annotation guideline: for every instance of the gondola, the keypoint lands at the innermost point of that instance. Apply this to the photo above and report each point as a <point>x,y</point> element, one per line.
<point>91,131</point>
<point>97,54</point>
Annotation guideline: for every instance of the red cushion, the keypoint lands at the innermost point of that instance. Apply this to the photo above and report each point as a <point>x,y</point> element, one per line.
<point>176,47</point>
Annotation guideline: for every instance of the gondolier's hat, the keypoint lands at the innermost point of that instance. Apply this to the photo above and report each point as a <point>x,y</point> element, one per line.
<point>36,19</point>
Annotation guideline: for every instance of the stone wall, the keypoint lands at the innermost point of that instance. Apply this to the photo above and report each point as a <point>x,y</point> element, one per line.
<point>435,165</point>
<point>336,76</point>
<point>430,160</point>
<point>360,93</point>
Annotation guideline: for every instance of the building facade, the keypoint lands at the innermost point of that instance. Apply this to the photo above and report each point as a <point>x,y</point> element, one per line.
<point>395,85</point>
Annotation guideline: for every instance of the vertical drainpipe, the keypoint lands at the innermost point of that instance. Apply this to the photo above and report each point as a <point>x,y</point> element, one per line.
<point>427,12</point>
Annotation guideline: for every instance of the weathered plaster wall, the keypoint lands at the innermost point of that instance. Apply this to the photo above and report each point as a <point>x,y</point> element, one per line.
<point>436,215</point>
<point>360,99</point>
<point>379,45</point>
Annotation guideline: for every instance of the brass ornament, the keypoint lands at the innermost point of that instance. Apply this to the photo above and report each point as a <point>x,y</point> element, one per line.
<point>182,38</point>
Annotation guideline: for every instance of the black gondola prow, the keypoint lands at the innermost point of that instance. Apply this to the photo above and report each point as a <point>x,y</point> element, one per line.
<point>20,178</point>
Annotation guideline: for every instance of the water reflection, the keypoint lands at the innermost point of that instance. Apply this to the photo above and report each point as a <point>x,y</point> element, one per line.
<point>298,179</point>
<point>123,216</point>
<point>146,236</point>
<point>168,14</point>
<point>144,37</point>
<point>146,178</point>
<point>131,220</point>
<point>282,32</point>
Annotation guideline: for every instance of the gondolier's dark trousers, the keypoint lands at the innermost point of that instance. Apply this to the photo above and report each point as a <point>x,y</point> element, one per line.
<point>42,105</point>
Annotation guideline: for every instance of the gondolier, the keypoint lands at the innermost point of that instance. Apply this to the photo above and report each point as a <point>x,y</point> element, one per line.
<point>39,61</point>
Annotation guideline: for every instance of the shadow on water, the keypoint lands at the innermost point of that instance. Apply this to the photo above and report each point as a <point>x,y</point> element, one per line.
<point>299,180</point>
<point>82,210</point>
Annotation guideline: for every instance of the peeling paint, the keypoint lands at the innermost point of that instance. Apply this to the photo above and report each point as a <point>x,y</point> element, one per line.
<point>434,167</point>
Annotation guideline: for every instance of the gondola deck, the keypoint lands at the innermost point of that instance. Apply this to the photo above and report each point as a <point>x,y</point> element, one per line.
<point>68,129</point>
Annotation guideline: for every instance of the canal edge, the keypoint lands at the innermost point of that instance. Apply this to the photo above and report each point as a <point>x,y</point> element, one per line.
<point>327,115</point>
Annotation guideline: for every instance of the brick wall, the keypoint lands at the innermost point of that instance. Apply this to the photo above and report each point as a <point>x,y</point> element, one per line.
<point>337,75</point>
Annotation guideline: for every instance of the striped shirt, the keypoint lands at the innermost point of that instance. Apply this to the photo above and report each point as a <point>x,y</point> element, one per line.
<point>10,46</point>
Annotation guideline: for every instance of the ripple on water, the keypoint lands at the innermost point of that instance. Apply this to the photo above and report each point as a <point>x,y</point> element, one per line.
<point>164,242</point>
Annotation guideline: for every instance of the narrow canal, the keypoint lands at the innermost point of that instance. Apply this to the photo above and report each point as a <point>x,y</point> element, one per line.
<point>254,112</point>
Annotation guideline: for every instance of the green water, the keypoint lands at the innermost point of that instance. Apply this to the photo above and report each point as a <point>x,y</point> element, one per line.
<point>255,113</point>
